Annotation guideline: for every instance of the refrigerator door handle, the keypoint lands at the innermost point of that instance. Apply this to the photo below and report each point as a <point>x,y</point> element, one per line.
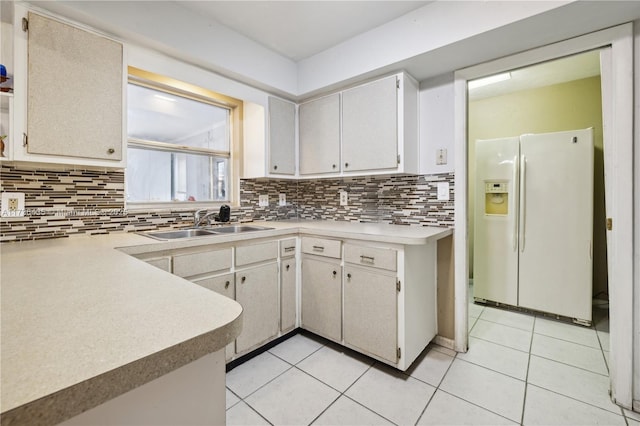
<point>516,168</point>
<point>523,178</point>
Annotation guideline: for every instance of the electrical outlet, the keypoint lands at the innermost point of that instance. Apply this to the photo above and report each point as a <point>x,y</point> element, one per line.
<point>344,198</point>
<point>263,200</point>
<point>443,191</point>
<point>12,204</point>
<point>441,156</point>
<point>282,199</point>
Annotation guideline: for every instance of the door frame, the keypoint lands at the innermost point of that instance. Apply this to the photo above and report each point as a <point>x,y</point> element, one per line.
<point>620,152</point>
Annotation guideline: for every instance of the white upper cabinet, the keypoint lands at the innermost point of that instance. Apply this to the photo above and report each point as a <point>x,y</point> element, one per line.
<point>282,137</point>
<point>320,136</point>
<point>69,96</point>
<point>370,126</point>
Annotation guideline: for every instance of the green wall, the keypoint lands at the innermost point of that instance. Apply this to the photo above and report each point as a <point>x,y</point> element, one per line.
<point>567,106</point>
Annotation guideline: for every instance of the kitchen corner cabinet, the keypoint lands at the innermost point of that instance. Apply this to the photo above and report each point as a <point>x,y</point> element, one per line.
<point>67,111</point>
<point>319,136</point>
<point>282,137</point>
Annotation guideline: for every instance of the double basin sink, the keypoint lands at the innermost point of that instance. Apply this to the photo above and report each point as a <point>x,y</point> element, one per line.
<point>204,232</point>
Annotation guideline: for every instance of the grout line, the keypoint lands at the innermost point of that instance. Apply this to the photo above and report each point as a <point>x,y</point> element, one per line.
<point>499,344</point>
<point>236,395</point>
<point>491,369</point>
<point>571,341</point>
<point>580,401</point>
<point>526,377</point>
<point>436,388</point>
<point>505,325</point>
<point>476,405</point>
<point>257,412</point>
<point>571,365</point>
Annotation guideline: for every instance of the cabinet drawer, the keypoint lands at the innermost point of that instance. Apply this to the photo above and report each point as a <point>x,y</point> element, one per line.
<point>288,247</point>
<point>246,255</point>
<point>371,256</point>
<point>186,265</point>
<point>322,247</point>
<point>222,284</point>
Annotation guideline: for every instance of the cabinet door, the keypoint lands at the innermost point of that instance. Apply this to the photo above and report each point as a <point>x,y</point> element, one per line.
<point>75,97</point>
<point>370,126</point>
<point>322,298</point>
<point>224,285</point>
<point>282,137</point>
<point>288,294</point>
<point>257,292</point>
<point>320,135</point>
<point>371,312</point>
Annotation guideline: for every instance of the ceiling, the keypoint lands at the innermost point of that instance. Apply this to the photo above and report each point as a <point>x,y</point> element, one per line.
<point>300,29</point>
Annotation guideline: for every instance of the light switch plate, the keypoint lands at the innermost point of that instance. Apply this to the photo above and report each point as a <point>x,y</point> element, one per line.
<point>443,191</point>
<point>263,200</point>
<point>441,156</point>
<point>282,199</point>
<point>12,204</point>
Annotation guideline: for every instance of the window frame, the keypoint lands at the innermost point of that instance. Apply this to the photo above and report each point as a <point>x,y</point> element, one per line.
<point>190,91</point>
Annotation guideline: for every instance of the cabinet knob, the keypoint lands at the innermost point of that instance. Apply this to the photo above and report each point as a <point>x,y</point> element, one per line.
<point>111,151</point>
<point>226,285</point>
<point>335,273</point>
<point>275,167</point>
<point>333,166</point>
<point>346,164</point>
<point>287,267</point>
<point>348,276</point>
<point>243,279</point>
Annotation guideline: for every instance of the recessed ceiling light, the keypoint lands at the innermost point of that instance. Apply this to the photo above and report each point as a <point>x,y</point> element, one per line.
<point>489,80</point>
<point>165,98</point>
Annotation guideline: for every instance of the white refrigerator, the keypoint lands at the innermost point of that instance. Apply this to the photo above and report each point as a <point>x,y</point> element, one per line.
<point>534,222</point>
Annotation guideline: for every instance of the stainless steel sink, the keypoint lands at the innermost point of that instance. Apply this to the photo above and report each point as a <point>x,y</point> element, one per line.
<point>234,229</point>
<point>179,233</point>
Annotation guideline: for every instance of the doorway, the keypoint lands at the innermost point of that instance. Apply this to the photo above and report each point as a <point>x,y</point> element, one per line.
<point>617,96</point>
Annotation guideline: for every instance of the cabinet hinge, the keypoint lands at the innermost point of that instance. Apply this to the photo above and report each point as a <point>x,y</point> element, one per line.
<point>398,158</point>
<point>609,224</point>
<point>399,353</point>
<point>398,285</point>
<point>397,83</point>
<point>25,139</point>
<point>25,24</point>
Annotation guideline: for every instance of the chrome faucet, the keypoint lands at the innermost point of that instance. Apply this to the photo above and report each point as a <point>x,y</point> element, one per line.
<point>199,217</point>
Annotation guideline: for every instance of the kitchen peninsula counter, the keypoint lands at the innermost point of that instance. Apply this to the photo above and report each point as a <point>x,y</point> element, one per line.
<point>83,321</point>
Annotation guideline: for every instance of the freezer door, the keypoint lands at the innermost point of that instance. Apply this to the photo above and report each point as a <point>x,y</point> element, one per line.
<point>556,223</point>
<point>495,259</point>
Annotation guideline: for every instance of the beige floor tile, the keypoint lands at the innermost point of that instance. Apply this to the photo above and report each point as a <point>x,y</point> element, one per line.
<point>296,348</point>
<point>231,399</point>
<point>632,415</point>
<point>391,394</point>
<point>603,336</point>
<point>248,377</point>
<point>571,381</point>
<point>569,332</point>
<point>544,407</point>
<point>242,415</point>
<point>338,367</point>
<point>445,409</point>
<point>510,318</point>
<point>496,357</point>
<point>293,398</point>
<point>430,367</point>
<point>493,391</point>
<point>349,413</point>
<point>569,353</point>
<point>503,335</point>
<point>475,310</point>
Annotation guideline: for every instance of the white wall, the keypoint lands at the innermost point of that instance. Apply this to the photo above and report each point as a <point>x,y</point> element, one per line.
<point>636,221</point>
<point>436,123</point>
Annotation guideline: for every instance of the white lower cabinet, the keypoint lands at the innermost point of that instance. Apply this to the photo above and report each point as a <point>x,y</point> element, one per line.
<point>224,285</point>
<point>322,297</point>
<point>288,299</point>
<point>257,292</point>
<point>370,322</point>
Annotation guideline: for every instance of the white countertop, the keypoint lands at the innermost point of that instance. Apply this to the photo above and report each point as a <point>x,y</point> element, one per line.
<point>83,322</point>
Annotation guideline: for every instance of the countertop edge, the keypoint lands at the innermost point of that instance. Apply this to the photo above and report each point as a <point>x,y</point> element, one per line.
<point>62,405</point>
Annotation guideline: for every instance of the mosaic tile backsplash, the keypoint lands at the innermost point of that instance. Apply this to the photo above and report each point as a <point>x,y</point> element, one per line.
<point>62,202</point>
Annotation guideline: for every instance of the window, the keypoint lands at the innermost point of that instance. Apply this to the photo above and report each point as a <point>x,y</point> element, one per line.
<point>180,142</point>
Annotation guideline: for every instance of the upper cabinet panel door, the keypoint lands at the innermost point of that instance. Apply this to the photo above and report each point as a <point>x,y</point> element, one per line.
<point>282,137</point>
<point>370,126</point>
<point>320,135</point>
<point>75,92</point>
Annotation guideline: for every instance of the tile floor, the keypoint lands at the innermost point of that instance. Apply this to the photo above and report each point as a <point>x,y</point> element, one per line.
<point>520,369</point>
